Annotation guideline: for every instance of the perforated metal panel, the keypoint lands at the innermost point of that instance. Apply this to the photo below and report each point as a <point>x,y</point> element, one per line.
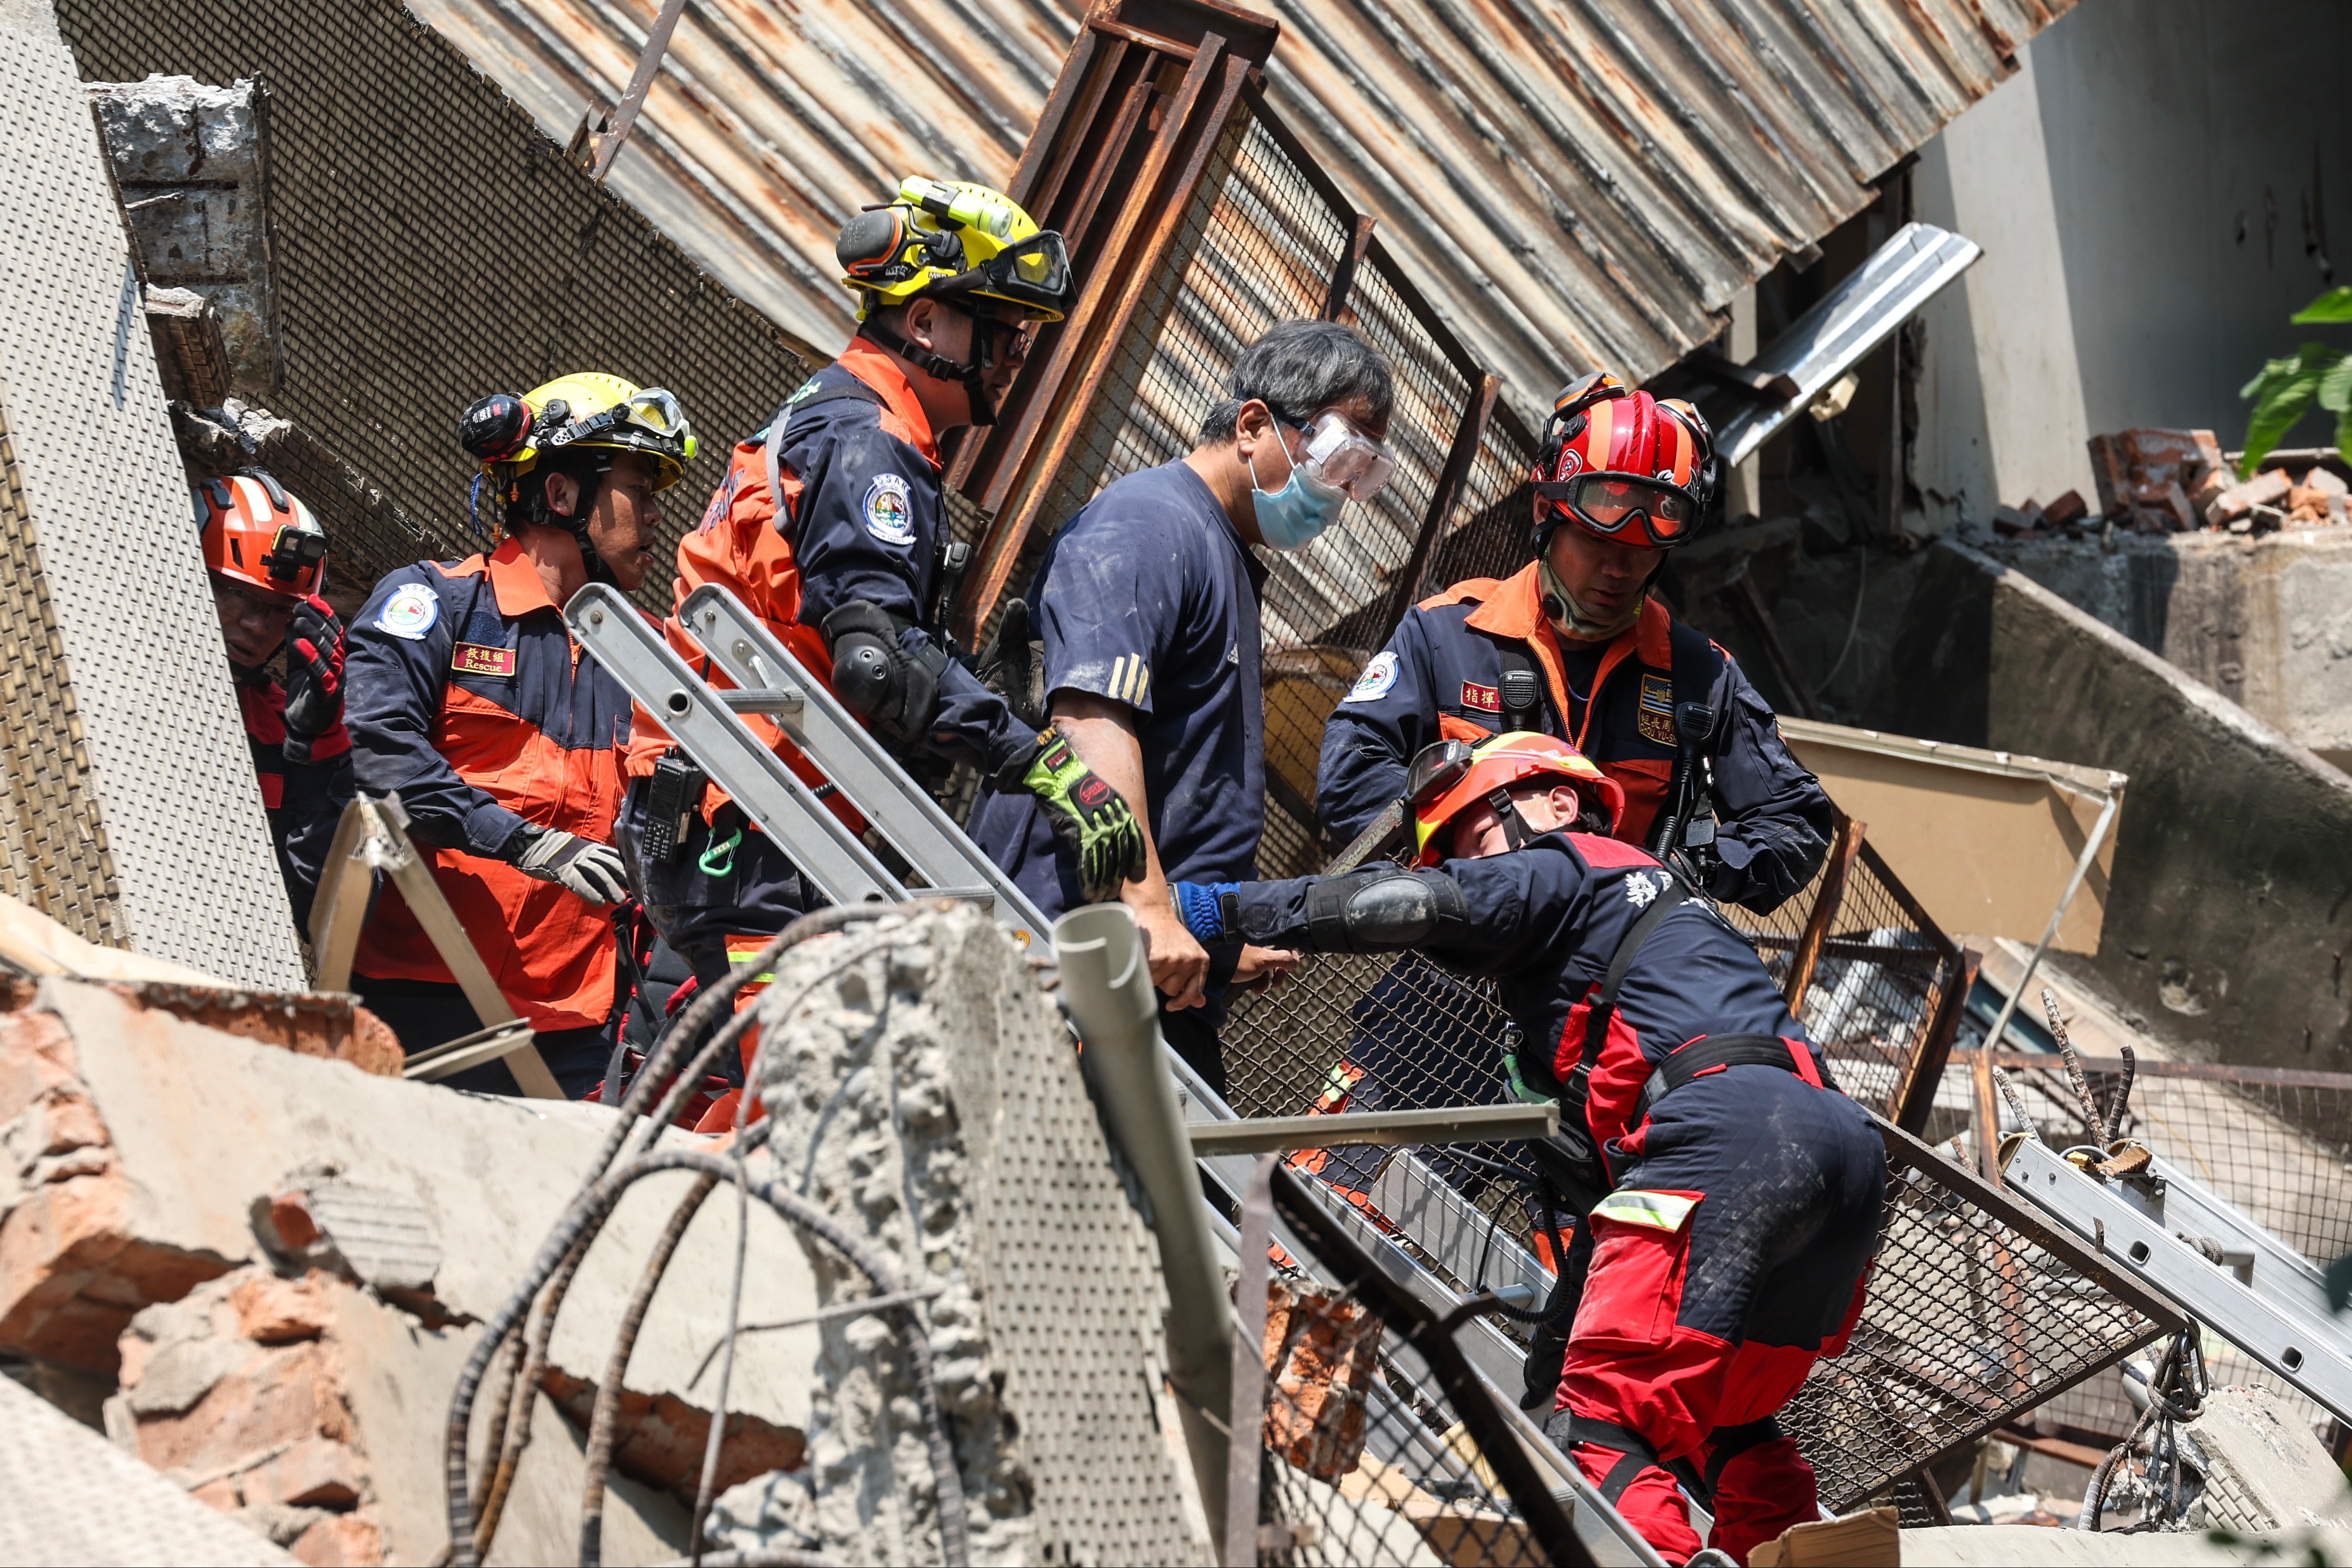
<point>102,481</point>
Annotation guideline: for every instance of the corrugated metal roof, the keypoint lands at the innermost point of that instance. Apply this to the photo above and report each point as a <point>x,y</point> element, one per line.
<point>1574,183</point>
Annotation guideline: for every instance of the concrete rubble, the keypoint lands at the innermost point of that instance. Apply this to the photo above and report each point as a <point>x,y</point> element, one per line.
<point>282,1261</point>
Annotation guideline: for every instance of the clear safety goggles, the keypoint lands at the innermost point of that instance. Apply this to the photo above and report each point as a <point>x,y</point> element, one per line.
<point>1609,503</point>
<point>654,411</point>
<point>1340,456</point>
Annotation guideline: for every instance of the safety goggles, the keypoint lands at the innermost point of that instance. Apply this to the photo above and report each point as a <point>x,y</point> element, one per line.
<point>1340,456</point>
<point>1035,272</point>
<point>1608,504</point>
<point>654,411</point>
<point>1435,769</point>
<point>244,604</point>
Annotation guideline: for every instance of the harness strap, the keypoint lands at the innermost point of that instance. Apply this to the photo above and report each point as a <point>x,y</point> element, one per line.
<point>773,438</point>
<point>1710,1052</point>
<point>1571,1431</point>
<point>1604,1007</point>
<point>1693,670</point>
<point>1726,1444</point>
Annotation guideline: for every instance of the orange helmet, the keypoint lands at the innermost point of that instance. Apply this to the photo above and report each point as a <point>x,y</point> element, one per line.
<point>256,533</point>
<point>1623,465</point>
<point>1450,778</point>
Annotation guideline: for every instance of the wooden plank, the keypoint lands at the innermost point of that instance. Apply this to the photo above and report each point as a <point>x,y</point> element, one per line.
<point>1807,954</point>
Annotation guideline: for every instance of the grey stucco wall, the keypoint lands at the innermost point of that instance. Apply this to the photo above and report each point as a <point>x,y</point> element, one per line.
<point>2231,908</point>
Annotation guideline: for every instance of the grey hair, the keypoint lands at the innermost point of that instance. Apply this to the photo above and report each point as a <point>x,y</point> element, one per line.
<point>1298,369</point>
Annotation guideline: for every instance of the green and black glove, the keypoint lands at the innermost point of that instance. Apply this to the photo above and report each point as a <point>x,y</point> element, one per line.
<point>1088,815</point>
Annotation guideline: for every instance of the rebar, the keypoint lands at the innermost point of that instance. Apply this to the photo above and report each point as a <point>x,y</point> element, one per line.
<point>2122,1101</point>
<point>606,1417</point>
<point>2091,1117</point>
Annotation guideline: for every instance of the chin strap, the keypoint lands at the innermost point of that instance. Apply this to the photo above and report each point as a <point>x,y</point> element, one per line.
<point>939,367</point>
<point>1515,827</point>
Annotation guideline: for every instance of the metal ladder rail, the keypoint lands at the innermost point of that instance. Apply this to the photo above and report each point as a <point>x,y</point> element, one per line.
<point>2278,1312</point>
<point>633,651</point>
<point>755,659</point>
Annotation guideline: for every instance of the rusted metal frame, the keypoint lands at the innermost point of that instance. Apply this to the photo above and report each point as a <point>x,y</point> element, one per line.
<point>641,82</point>
<point>1468,435</point>
<point>1441,336</point>
<point>1076,94</point>
<point>1310,168</point>
<point>1845,846</point>
<point>1181,27</point>
<point>983,469</point>
<point>1102,320</point>
<point>1914,1092</point>
<point>1343,277</point>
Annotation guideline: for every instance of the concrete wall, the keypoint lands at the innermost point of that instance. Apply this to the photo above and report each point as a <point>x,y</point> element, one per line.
<point>2151,192</point>
<point>2230,913</point>
<point>2266,622</point>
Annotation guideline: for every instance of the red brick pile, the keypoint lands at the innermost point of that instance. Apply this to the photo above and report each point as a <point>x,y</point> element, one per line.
<point>2179,481</point>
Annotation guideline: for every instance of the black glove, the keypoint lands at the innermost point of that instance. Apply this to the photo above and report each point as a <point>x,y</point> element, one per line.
<point>1088,815</point>
<point>591,869</point>
<point>314,676</point>
<point>1010,667</point>
<point>895,691</point>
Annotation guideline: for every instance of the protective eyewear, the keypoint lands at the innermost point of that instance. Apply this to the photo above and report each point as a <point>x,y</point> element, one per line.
<point>654,411</point>
<point>1340,456</point>
<point>1609,503</point>
<point>1436,769</point>
<point>1034,272</point>
<point>245,604</point>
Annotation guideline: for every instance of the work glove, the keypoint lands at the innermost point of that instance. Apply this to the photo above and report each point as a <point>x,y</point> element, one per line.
<point>584,867</point>
<point>1010,667</point>
<point>314,676</point>
<point>1087,815</point>
<point>1210,911</point>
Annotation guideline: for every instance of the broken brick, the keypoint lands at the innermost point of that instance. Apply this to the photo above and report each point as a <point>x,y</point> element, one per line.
<point>221,1494</point>
<point>2265,489</point>
<point>2067,508</point>
<point>313,1473</point>
<point>272,1312</point>
<point>2011,522</point>
<point>282,1398</point>
<point>290,1217</point>
<point>343,1540</point>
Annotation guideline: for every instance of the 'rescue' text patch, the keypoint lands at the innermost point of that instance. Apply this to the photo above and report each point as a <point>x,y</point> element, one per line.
<point>473,659</point>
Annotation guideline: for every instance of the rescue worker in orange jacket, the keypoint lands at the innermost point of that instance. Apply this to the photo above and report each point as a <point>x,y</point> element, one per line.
<point>469,698</point>
<point>267,557</point>
<point>1572,647</point>
<point>831,527</point>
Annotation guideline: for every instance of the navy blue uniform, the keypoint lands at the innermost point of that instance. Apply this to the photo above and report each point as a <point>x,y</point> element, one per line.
<point>304,801</point>
<point>845,506</point>
<point>1439,678</point>
<point>1731,1253</point>
<point>465,693</point>
<point>1149,597</point>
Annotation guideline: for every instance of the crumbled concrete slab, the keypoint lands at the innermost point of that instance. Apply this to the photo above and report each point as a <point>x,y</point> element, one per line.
<point>72,1497</point>
<point>927,1096</point>
<point>185,1131</point>
<point>2032,1546</point>
<point>2265,1470</point>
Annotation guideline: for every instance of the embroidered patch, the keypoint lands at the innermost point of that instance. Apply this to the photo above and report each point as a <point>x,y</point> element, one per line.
<point>889,508</point>
<point>1640,891</point>
<point>1374,683</point>
<point>1484,699</point>
<point>410,612</point>
<point>1656,719</point>
<point>473,659</point>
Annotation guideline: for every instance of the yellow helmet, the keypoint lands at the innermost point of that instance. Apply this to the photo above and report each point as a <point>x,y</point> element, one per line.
<point>585,411</point>
<point>959,242</point>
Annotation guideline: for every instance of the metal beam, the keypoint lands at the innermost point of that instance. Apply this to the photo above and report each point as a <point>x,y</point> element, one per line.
<point>1375,1129</point>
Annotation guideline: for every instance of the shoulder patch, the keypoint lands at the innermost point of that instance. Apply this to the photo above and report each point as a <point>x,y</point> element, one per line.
<point>1642,889</point>
<point>1374,683</point>
<point>889,508</point>
<point>410,613</point>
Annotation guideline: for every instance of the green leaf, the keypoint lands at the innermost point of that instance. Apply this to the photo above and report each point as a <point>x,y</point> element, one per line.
<point>2335,305</point>
<point>2282,393</point>
<point>2336,387</point>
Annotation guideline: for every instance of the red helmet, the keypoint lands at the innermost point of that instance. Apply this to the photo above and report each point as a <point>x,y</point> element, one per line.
<point>256,533</point>
<point>1623,465</point>
<point>1450,778</point>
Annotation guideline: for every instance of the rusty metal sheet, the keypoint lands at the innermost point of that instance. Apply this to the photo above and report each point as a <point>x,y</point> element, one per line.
<point>1573,182</point>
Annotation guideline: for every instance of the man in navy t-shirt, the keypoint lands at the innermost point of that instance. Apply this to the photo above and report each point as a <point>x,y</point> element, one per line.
<point>1147,608</point>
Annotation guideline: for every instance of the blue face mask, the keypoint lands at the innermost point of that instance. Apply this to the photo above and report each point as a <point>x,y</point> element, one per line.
<point>1293,515</point>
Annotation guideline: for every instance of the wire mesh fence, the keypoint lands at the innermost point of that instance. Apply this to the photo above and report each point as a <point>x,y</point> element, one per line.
<point>1377,1444</point>
<point>1977,1312</point>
